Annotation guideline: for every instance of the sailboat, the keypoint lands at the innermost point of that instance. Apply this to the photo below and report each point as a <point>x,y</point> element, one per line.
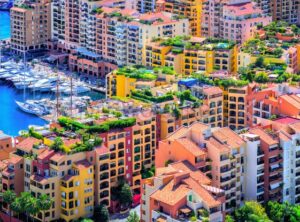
<point>30,106</point>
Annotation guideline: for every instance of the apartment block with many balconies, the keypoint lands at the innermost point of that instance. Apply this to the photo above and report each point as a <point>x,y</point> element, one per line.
<point>218,152</point>
<point>30,26</point>
<point>178,191</point>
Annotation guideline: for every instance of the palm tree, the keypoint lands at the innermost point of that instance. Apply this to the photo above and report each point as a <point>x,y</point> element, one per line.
<point>17,207</point>
<point>8,198</point>
<point>28,203</point>
<point>35,208</point>
<point>44,203</point>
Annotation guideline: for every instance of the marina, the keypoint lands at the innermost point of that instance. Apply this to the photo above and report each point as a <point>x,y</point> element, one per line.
<point>29,93</point>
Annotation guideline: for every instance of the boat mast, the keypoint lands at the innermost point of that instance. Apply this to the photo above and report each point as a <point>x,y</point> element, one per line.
<point>57,93</point>
<point>71,96</point>
<point>24,75</point>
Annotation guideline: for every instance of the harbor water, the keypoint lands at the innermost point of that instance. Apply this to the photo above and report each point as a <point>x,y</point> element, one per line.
<point>12,119</point>
<point>4,25</point>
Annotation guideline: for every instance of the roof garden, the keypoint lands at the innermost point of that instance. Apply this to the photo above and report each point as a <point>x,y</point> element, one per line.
<point>142,73</point>
<point>186,42</point>
<point>178,41</point>
<point>106,126</point>
<point>225,83</point>
<point>280,27</point>
<point>147,96</point>
<point>267,48</point>
<point>209,44</point>
<point>136,72</point>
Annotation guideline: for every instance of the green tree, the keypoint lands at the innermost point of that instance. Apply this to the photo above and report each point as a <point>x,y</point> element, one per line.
<point>252,212</point>
<point>29,204</point>
<point>261,77</point>
<point>284,212</point>
<point>278,52</point>
<point>125,195</point>
<point>57,144</point>
<point>101,213</point>
<point>17,207</point>
<point>44,203</point>
<point>259,62</point>
<point>8,198</point>
<point>133,217</point>
<point>229,218</point>
<point>246,74</point>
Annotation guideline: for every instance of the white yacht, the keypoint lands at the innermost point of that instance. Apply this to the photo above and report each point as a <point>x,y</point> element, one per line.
<point>31,108</point>
<point>77,89</point>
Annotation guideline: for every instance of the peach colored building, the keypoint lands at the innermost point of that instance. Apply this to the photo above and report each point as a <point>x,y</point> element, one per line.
<point>120,39</point>
<point>279,100</point>
<point>6,146</point>
<point>178,191</point>
<point>30,26</point>
<point>217,152</point>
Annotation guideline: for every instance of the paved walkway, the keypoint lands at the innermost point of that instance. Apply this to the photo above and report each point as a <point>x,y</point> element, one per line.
<point>122,217</point>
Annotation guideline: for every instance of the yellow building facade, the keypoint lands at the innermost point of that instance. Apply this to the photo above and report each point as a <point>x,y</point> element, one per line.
<point>77,192</point>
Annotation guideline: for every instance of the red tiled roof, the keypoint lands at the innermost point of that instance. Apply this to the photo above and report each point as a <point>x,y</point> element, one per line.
<point>243,9</point>
<point>287,120</point>
<point>264,136</point>
<point>27,144</point>
<point>191,146</point>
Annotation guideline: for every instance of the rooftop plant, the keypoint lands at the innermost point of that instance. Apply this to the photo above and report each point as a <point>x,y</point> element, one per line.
<point>99,128</point>
<point>137,73</point>
<point>164,70</point>
<point>146,96</point>
<point>177,41</point>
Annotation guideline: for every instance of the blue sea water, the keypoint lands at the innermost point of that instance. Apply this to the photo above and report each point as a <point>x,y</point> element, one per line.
<point>4,25</point>
<point>12,119</point>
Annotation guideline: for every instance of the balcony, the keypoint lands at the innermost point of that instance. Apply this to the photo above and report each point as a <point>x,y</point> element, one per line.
<point>226,179</point>
<point>260,161</point>
<point>160,216</point>
<point>225,169</point>
<point>260,152</point>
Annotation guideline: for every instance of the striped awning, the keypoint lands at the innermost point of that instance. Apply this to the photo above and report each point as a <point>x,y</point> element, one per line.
<point>212,189</point>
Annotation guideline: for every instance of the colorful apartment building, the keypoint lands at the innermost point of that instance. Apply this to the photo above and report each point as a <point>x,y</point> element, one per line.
<point>234,20</point>
<point>278,100</point>
<point>189,9</point>
<point>7,145</point>
<point>77,191</point>
<point>179,191</point>
<point>30,26</point>
<point>264,154</point>
<point>191,55</point>
<point>218,152</point>
<point>211,18</point>
<point>122,81</point>
<point>238,21</point>
<point>120,36</point>
<point>284,10</point>
<point>235,107</point>
<point>286,132</point>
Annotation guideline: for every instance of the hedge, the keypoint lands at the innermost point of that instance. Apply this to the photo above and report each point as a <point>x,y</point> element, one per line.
<point>101,128</point>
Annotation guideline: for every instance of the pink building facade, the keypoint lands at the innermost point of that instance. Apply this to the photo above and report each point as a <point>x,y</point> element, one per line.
<point>238,22</point>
